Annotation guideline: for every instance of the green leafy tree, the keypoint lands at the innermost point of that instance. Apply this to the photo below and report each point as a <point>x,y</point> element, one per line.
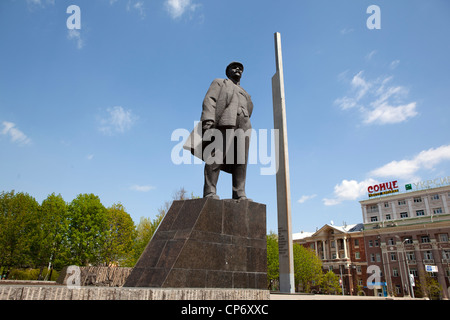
<point>119,236</point>
<point>330,283</point>
<point>428,286</point>
<point>18,215</point>
<point>50,233</point>
<point>273,264</point>
<point>86,234</point>
<point>144,232</point>
<point>307,267</point>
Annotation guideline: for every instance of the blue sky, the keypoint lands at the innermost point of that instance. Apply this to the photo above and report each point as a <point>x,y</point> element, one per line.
<point>92,110</point>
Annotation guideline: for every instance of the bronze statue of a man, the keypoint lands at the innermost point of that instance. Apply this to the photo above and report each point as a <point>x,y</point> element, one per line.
<point>227,108</point>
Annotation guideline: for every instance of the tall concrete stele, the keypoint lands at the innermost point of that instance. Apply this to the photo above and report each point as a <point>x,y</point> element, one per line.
<point>285,245</point>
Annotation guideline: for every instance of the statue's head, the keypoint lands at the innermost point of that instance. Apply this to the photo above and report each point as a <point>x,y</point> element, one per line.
<point>234,71</point>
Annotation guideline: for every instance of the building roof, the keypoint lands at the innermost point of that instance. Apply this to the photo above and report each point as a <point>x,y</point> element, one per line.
<point>343,229</point>
<point>301,235</point>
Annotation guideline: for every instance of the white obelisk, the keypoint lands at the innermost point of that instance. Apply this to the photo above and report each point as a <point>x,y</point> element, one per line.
<point>285,244</point>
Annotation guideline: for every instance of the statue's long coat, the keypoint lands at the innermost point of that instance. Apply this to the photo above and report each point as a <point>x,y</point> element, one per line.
<point>222,105</point>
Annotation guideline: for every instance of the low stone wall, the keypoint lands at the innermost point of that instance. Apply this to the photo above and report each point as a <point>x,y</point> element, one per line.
<point>17,292</point>
<point>27,282</point>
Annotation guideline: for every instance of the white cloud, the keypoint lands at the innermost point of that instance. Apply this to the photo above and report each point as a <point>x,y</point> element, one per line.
<point>305,198</point>
<point>408,168</point>
<point>387,114</point>
<point>377,101</point>
<point>346,31</point>
<point>349,190</point>
<point>394,64</point>
<point>39,3</point>
<point>359,88</point>
<point>177,8</point>
<point>74,34</point>
<point>17,136</point>
<point>142,188</point>
<point>118,121</point>
<point>370,55</point>
<point>136,5</point>
<point>90,157</point>
<point>360,85</point>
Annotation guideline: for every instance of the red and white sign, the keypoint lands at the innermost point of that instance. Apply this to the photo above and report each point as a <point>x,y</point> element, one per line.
<point>383,188</point>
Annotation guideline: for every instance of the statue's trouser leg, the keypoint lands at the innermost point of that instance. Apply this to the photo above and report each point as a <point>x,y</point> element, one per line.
<point>212,172</point>
<point>239,174</point>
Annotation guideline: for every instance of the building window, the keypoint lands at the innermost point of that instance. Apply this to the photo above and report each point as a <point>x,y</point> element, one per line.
<point>391,241</point>
<point>435,197</point>
<point>333,245</point>
<point>428,255</point>
<point>357,255</point>
<point>372,209</point>
<point>333,256</point>
<point>443,237</point>
<point>446,254</point>
<point>386,204</point>
<point>356,242</point>
<point>398,289</point>
<point>393,256</point>
<point>358,269</point>
<point>370,243</point>
<point>395,272</point>
<point>373,219</point>
<point>437,210</point>
<point>372,257</point>
<point>425,239</point>
<point>413,271</point>
<point>378,257</point>
<point>417,199</point>
<point>404,215</point>
<point>401,202</point>
<point>420,213</point>
<point>377,243</point>
<point>408,240</point>
<point>388,217</point>
<point>410,256</point>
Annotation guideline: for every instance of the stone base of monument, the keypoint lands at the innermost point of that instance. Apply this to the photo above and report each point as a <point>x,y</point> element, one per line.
<point>206,243</point>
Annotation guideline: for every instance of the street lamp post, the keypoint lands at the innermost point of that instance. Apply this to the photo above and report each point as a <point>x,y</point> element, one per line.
<point>408,275</point>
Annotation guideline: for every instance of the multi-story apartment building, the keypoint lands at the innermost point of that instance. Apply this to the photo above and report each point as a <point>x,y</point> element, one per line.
<point>341,250</point>
<point>404,240</point>
<point>407,239</point>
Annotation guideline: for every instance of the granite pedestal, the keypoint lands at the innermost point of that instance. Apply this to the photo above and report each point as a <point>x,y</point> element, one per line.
<point>206,243</point>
